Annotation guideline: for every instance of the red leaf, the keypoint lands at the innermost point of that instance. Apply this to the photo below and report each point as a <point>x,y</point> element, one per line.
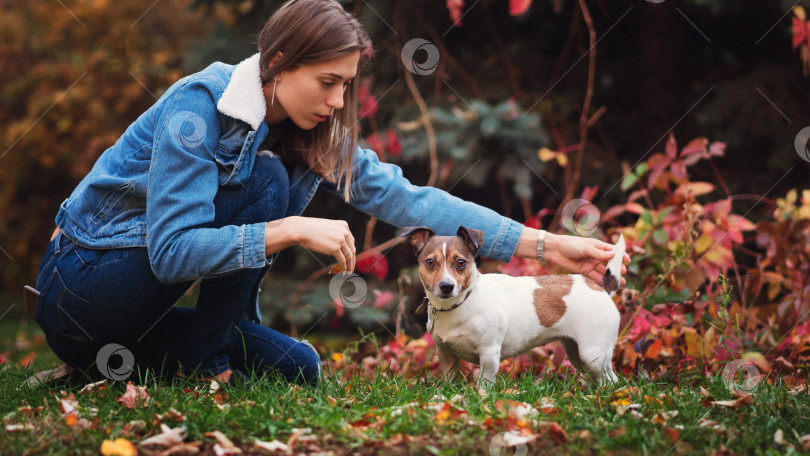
<point>717,149</point>
<point>27,359</point>
<point>799,32</point>
<point>654,349</point>
<point>588,193</point>
<point>394,147</point>
<point>696,146</point>
<point>134,397</point>
<point>375,264</point>
<point>557,432</point>
<point>383,298</point>
<point>671,147</point>
<point>455,7</point>
<point>640,327</point>
<point>376,144</point>
<point>518,7</point>
<point>368,102</point>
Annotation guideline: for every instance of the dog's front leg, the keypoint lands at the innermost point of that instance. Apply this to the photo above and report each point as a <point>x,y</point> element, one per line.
<point>490,361</point>
<point>450,362</point>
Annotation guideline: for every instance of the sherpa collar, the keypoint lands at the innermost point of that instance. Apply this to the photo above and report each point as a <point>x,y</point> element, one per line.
<point>243,98</point>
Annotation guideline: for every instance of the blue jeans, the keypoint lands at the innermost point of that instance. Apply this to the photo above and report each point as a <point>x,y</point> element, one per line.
<point>91,298</point>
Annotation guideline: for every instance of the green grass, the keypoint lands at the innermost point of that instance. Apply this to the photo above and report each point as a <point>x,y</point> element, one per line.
<point>366,416</point>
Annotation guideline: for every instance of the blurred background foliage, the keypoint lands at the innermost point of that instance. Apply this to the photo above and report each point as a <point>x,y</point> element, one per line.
<point>76,74</point>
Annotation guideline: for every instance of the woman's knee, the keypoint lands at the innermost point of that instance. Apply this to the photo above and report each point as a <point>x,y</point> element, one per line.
<point>310,364</point>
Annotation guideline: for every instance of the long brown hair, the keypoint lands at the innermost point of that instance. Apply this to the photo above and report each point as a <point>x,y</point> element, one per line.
<point>309,32</point>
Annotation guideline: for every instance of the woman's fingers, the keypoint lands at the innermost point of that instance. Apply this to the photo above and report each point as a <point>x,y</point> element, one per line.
<point>330,237</point>
<point>341,258</point>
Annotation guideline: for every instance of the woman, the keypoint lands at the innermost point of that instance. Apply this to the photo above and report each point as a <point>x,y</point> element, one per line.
<point>210,183</point>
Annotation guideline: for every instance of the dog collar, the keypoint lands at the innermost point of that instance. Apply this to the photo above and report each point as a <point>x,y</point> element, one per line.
<point>434,309</point>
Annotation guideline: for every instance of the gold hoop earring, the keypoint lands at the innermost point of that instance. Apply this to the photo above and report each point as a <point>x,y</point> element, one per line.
<point>273,97</point>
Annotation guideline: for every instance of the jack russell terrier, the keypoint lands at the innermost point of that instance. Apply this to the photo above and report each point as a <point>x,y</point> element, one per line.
<point>485,318</point>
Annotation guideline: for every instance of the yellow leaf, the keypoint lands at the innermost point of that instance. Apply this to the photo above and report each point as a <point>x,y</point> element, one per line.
<point>703,243</point>
<point>718,255</point>
<point>694,344</point>
<point>562,159</point>
<point>338,357</point>
<point>119,447</point>
<point>758,360</point>
<point>695,188</point>
<point>799,12</point>
<point>708,340</point>
<point>790,198</point>
<point>773,291</point>
<point>545,154</point>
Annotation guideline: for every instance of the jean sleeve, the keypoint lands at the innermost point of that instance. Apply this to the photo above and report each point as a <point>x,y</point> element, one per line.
<point>379,189</point>
<point>183,181</point>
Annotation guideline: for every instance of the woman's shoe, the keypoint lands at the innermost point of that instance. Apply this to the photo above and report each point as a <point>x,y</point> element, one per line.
<point>63,373</point>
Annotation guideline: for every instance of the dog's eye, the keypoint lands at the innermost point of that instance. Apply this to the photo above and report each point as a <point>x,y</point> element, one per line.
<point>430,263</point>
<point>461,263</point>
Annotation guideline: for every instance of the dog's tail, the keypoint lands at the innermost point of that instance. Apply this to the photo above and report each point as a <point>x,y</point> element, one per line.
<point>613,274</point>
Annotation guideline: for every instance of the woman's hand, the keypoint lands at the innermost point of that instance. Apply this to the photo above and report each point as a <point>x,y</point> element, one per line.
<point>330,237</point>
<point>576,254</point>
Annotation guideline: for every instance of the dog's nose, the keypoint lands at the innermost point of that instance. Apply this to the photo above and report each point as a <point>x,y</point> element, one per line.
<point>446,287</point>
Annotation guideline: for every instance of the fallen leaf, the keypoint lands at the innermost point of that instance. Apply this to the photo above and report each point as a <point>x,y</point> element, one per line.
<point>805,441</point>
<point>784,365</point>
<point>172,414</point>
<point>673,435</point>
<point>69,405</point>
<point>92,386</point>
<point>583,434</point>
<point>522,410</point>
<point>183,448</point>
<point>168,437</point>
<point>70,420</point>
<point>118,447</point>
<point>134,397</point>
<point>84,423</point>
<point>275,445</point>
<point>779,438</point>
<point>220,450</point>
<point>557,432</point>
<point>735,403</point>
<point>19,427</point>
<point>27,359</point>
<point>224,445</point>
<point>514,438</point>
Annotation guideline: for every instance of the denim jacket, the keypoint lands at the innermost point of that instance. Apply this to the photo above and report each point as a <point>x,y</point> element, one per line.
<point>155,187</point>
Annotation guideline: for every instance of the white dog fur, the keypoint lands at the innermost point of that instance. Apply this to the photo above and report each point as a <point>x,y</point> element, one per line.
<point>486,318</point>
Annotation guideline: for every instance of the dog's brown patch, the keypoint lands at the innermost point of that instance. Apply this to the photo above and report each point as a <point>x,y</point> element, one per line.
<point>431,276</point>
<point>456,249</point>
<point>610,282</point>
<point>548,302</point>
<point>594,284</point>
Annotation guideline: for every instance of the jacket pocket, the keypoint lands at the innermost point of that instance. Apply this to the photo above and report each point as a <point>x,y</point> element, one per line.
<point>63,314</point>
<point>113,202</point>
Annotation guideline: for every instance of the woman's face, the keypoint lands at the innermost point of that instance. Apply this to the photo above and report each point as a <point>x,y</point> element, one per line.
<point>310,94</point>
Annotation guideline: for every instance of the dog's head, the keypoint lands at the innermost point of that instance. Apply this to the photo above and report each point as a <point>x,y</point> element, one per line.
<point>446,263</point>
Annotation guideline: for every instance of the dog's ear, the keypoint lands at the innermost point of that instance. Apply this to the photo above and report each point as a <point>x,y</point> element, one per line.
<point>418,236</point>
<point>472,238</point>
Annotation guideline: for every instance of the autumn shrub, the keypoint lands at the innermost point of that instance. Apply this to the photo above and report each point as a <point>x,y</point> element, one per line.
<point>75,76</point>
<point>709,292</point>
